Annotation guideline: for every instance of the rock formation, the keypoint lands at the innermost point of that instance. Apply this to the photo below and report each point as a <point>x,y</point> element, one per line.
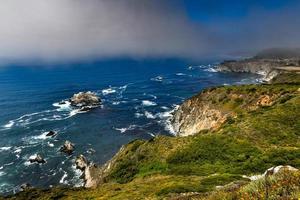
<point>85,99</point>
<point>51,134</point>
<point>268,63</point>
<point>91,174</point>
<point>37,159</point>
<point>67,148</point>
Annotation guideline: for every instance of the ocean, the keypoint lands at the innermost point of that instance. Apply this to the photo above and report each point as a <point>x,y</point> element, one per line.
<point>138,97</point>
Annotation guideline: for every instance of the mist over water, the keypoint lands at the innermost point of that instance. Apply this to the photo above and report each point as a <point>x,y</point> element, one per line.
<point>138,98</point>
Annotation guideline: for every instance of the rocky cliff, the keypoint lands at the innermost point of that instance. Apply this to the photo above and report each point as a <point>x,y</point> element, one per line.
<point>268,63</point>
<point>211,108</point>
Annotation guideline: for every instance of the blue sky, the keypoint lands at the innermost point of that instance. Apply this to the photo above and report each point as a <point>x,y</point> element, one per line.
<point>214,10</point>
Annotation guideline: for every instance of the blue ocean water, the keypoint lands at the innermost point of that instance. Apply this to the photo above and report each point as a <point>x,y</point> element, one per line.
<point>138,99</point>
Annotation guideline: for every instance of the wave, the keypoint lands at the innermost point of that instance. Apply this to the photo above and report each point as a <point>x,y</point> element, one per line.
<point>166,119</point>
<point>63,105</point>
<point>149,115</point>
<point>129,128</point>
<point>180,74</point>
<point>63,178</point>
<point>5,148</point>
<point>157,78</point>
<point>148,103</point>
<point>211,69</point>
<point>108,91</point>
<point>64,111</point>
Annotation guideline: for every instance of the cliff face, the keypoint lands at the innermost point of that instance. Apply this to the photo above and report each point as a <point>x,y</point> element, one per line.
<point>197,114</point>
<point>213,107</point>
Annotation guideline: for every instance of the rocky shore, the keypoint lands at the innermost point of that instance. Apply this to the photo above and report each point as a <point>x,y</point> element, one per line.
<point>268,63</point>
<point>227,138</point>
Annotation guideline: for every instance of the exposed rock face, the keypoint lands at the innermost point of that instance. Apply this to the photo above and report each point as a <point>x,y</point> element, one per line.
<point>211,108</point>
<point>37,159</point>
<point>194,116</point>
<point>272,171</point>
<point>67,148</point>
<point>81,162</point>
<point>85,99</point>
<point>91,174</point>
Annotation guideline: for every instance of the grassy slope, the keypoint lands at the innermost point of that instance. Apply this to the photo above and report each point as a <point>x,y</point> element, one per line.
<point>247,144</point>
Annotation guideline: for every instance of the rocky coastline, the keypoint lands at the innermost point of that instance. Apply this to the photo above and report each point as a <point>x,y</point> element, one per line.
<point>268,63</point>
<point>224,136</point>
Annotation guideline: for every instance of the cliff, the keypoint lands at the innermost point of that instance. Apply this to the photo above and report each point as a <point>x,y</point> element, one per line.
<point>254,128</point>
<point>268,63</point>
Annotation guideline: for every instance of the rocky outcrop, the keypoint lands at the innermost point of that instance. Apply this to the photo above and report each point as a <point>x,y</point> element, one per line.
<point>37,159</point>
<point>193,117</point>
<point>272,171</point>
<point>91,174</point>
<point>67,148</point>
<point>85,100</point>
<point>50,134</point>
<point>81,162</point>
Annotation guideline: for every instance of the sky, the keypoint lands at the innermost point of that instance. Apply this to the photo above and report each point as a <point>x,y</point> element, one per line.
<point>73,30</point>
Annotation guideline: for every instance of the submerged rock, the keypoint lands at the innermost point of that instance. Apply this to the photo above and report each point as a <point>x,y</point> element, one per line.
<point>25,186</point>
<point>37,159</point>
<point>85,99</point>
<point>50,134</point>
<point>67,148</point>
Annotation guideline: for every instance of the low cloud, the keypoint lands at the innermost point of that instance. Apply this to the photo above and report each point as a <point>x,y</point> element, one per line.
<point>80,29</point>
<point>67,30</point>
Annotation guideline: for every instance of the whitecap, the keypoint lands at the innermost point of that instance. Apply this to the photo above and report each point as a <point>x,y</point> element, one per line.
<point>211,69</point>
<point>164,107</point>
<point>2,173</point>
<point>166,119</point>
<point>76,180</point>
<point>148,103</point>
<point>42,136</point>
<point>116,102</point>
<point>63,105</point>
<point>138,115</point>
<point>157,78</point>
<point>62,180</point>
<point>129,128</point>
<point>149,115</point>
<point>50,144</point>
<point>9,124</point>
<point>108,91</point>
<point>4,148</point>
<point>18,150</point>
<point>180,74</point>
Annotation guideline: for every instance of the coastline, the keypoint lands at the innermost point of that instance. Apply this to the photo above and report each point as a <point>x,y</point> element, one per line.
<point>111,170</point>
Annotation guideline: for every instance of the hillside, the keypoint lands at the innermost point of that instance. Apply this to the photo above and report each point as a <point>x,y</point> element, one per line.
<point>252,128</point>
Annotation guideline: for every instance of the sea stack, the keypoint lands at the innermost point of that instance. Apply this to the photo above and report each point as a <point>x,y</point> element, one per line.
<point>67,148</point>
<point>37,159</point>
<point>85,99</point>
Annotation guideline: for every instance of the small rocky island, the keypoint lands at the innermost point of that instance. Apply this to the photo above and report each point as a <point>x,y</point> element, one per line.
<point>85,101</point>
<point>232,142</point>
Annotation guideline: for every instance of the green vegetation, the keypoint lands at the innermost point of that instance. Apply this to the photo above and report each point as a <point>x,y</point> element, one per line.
<point>256,138</point>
